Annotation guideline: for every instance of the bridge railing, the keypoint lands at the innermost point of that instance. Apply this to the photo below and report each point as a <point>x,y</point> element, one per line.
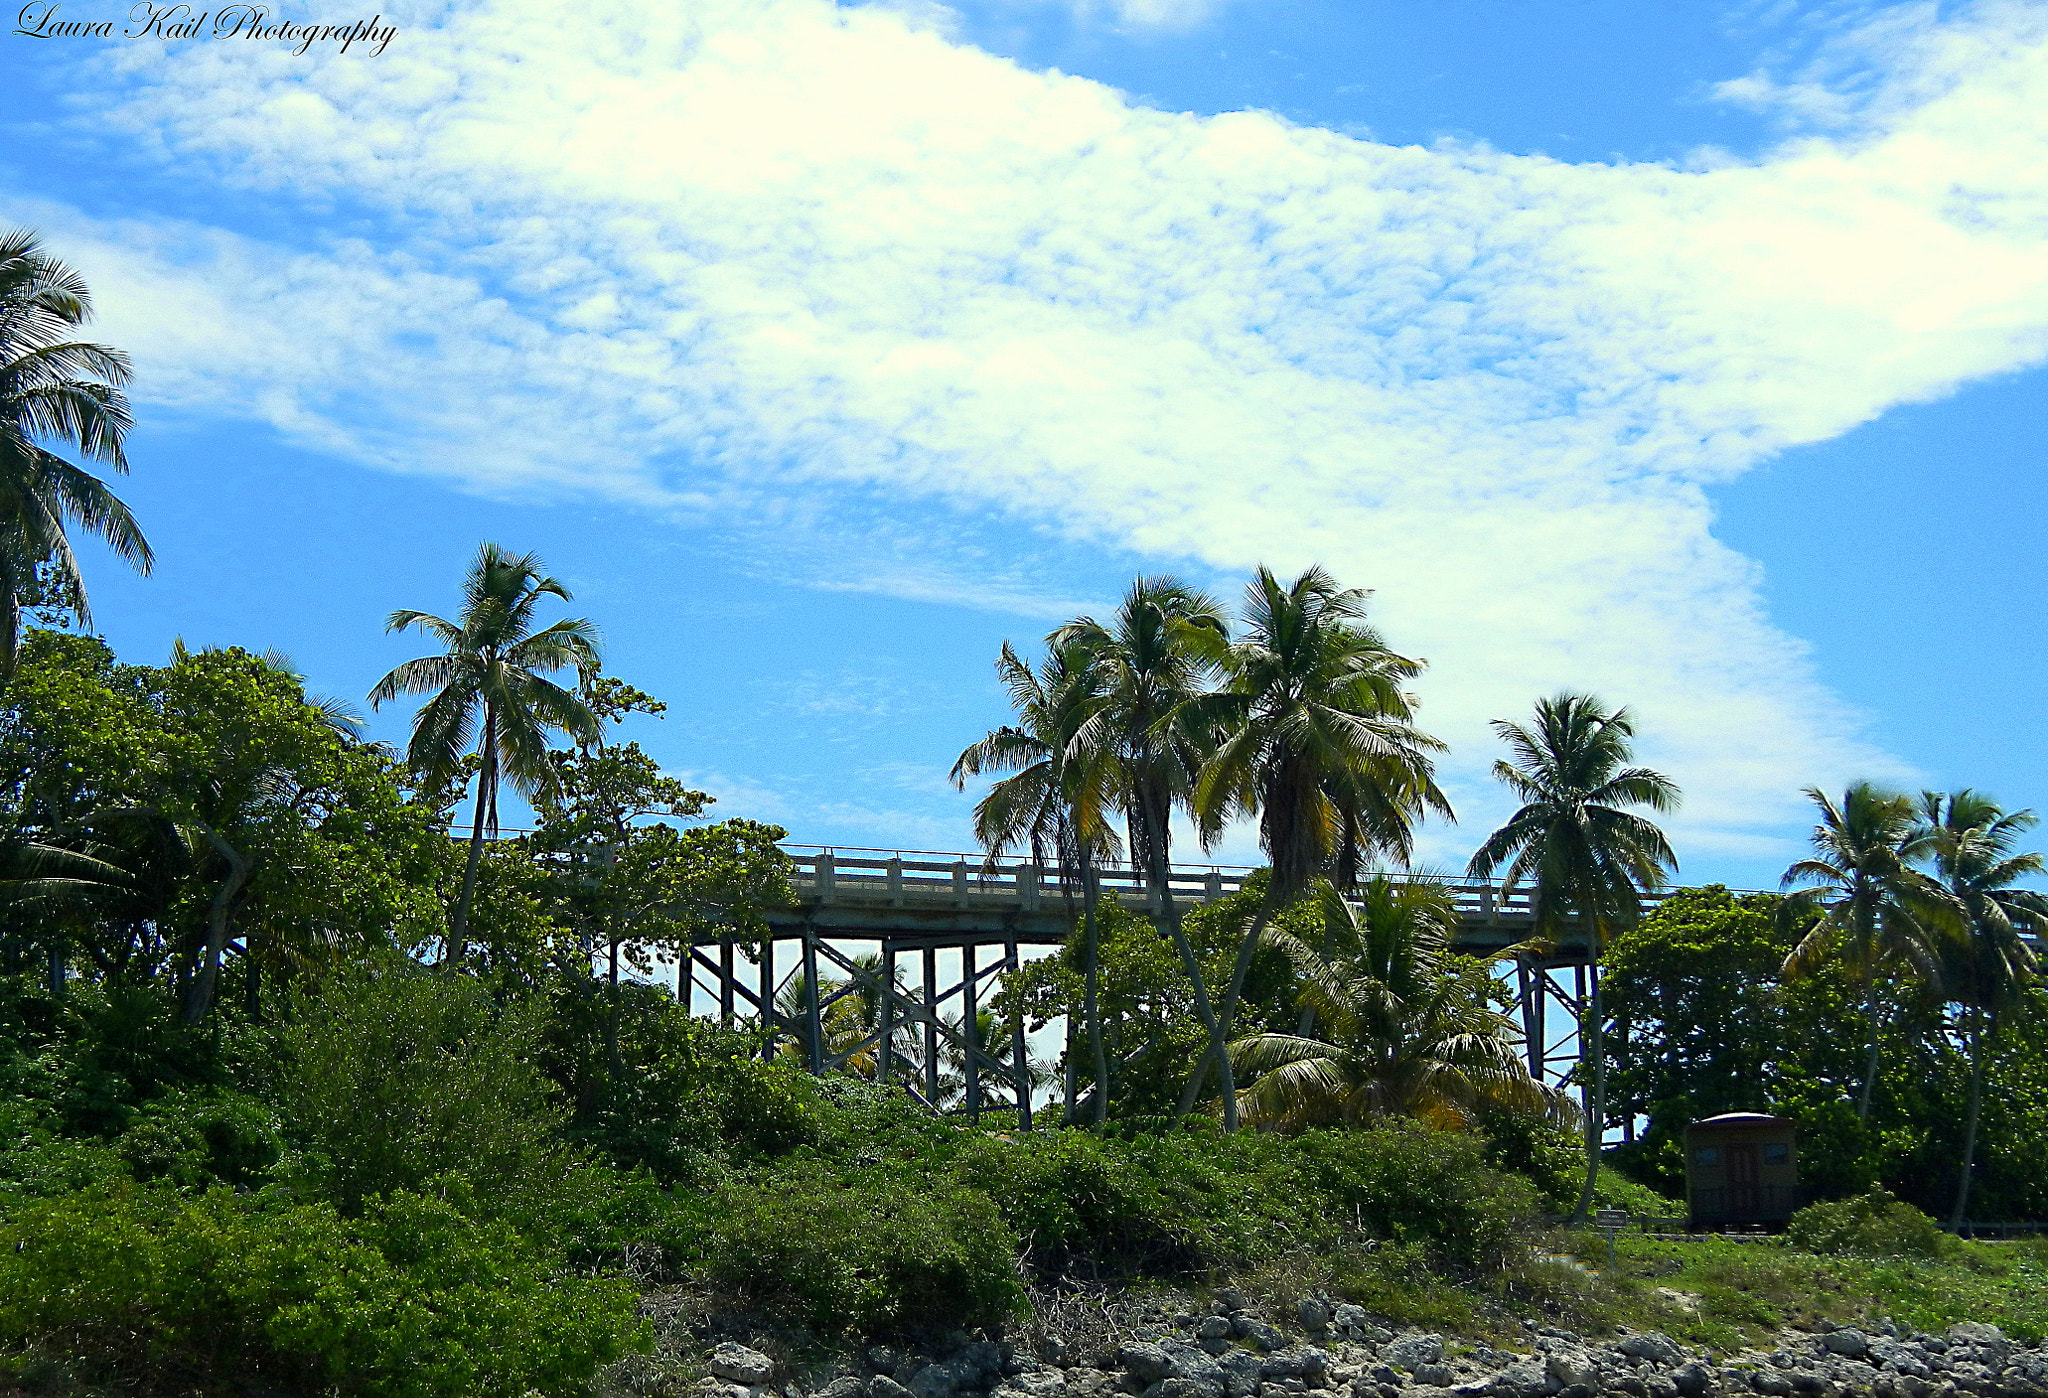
<point>933,878</point>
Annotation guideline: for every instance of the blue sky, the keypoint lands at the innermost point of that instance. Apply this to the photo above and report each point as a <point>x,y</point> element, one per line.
<point>1685,353</point>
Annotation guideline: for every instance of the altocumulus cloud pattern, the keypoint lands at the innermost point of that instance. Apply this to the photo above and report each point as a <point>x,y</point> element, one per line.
<point>790,252</point>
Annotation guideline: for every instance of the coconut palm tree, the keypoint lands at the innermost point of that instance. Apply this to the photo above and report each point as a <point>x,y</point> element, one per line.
<point>1145,671</point>
<point>1056,802</point>
<point>59,391</point>
<point>1400,1033</point>
<point>493,670</point>
<point>1588,861</point>
<point>1969,841</point>
<point>1312,702</point>
<point>1870,909</point>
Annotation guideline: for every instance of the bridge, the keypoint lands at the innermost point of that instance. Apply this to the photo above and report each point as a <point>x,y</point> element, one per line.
<point>916,904</point>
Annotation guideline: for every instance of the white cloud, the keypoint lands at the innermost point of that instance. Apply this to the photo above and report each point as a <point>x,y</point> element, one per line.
<point>738,259</point>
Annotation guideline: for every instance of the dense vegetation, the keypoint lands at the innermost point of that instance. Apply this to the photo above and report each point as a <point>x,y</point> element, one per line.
<point>299,1092</point>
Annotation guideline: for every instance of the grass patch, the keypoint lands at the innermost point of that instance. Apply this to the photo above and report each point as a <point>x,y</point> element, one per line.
<point>1746,1290</point>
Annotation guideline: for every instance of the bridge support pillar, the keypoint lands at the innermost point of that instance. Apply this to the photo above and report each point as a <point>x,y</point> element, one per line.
<point>931,1025</point>
<point>886,1050</point>
<point>725,982</point>
<point>813,1023</point>
<point>970,1027</point>
<point>1020,1053</point>
<point>767,1005</point>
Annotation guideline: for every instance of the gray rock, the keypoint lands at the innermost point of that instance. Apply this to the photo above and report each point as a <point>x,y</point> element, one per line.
<point>1240,1374</point>
<point>1772,1382</point>
<point>845,1387</point>
<point>738,1364</point>
<point>883,1359</point>
<point>1849,1343</point>
<point>1312,1314</point>
<point>1410,1351</point>
<point>1629,1384</point>
<point>1434,1375</point>
<point>1660,1385</point>
<point>1040,1383</point>
<point>1694,1380</point>
<point>1573,1368</point>
<point>935,1381</point>
<point>1975,1332</point>
<point>1214,1327</point>
<point>882,1386</point>
<point>1146,1363</point>
<point>1304,1362</point>
<point>1258,1333</point>
<point>1650,1345</point>
<point>1174,1386</point>
<point>1229,1301</point>
<point>1524,1378</point>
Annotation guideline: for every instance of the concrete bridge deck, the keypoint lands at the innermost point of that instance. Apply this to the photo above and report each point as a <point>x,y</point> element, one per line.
<point>913,899</point>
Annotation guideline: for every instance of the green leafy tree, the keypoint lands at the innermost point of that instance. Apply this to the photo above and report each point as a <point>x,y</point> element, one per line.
<point>1406,1028</point>
<point>54,390</point>
<point>167,816</point>
<point>489,686</point>
<point>1588,860</point>
<point>1699,1024</point>
<point>1311,709</point>
<point>1970,842</point>
<point>1876,912</point>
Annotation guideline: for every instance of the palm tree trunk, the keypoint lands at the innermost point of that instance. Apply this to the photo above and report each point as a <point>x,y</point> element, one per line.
<point>1219,1046</point>
<point>1870,1063</point>
<point>486,782</point>
<point>1161,860</point>
<point>1962,1208</point>
<point>1593,1049</point>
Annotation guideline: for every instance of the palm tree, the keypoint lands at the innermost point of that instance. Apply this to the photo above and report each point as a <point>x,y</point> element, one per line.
<point>1969,841</point>
<point>1057,800</point>
<point>493,668</point>
<point>53,389</point>
<point>1587,858</point>
<point>1146,670</point>
<point>1401,1034</point>
<point>1873,908</point>
<point>1311,703</point>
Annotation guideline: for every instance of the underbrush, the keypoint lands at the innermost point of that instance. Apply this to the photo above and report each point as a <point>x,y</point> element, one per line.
<point>406,1166</point>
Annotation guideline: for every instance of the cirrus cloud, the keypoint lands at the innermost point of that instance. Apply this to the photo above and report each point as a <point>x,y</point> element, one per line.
<point>742,260</point>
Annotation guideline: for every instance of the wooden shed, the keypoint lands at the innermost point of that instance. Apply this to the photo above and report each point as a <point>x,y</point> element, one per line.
<point>1742,1171</point>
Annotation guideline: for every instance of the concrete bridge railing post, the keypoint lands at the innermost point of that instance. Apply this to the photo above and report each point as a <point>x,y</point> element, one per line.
<point>895,868</point>
<point>959,883</point>
<point>825,876</point>
<point>1028,876</point>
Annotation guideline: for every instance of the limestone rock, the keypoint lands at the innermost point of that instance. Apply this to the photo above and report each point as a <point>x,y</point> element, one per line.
<point>1411,1351</point>
<point>736,1363</point>
<point>1655,1347</point>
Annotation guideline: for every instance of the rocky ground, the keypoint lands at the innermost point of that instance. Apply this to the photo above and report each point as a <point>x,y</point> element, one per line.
<point>1340,1352</point>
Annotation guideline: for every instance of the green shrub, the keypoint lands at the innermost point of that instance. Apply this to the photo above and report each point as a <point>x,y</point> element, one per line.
<point>1402,1181</point>
<point>148,1290</point>
<point>200,1137</point>
<point>867,1253</point>
<point>1867,1225</point>
<point>1074,1196</point>
<point>392,1079</point>
<point>691,1093</point>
